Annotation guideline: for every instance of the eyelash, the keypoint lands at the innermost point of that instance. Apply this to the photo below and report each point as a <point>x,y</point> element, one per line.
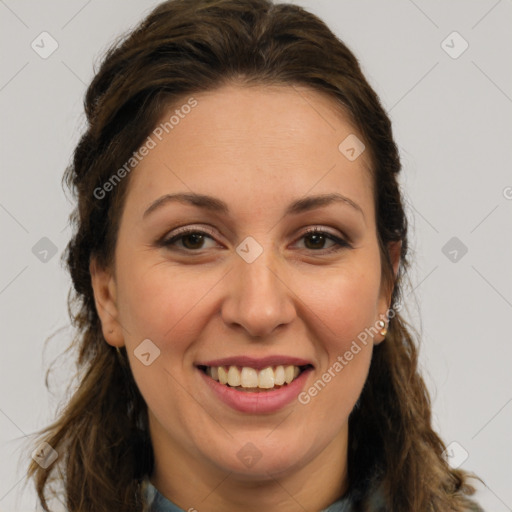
<point>339,242</point>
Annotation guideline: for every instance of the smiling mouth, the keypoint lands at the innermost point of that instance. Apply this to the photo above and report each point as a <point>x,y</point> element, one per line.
<point>252,380</point>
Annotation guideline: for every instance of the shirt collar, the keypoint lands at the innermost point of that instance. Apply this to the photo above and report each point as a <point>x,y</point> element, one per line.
<point>159,503</point>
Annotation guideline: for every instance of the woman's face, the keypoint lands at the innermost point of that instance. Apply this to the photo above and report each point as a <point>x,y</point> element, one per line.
<point>248,287</point>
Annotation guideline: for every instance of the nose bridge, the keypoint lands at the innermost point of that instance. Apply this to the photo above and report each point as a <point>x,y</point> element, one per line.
<point>258,299</point>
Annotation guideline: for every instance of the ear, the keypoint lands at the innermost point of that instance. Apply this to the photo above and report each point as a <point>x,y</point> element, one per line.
<point>104,288</point>
<point>394,251</point>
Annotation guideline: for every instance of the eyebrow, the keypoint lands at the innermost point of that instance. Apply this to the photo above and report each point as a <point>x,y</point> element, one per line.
<point>214,204</point>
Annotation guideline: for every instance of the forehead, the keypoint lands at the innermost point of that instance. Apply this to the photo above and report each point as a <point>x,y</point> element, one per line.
<point>275,142</point>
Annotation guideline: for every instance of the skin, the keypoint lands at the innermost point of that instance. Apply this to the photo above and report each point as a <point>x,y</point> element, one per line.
<point>258,149</point>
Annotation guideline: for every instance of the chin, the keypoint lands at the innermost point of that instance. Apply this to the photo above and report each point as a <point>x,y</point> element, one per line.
<point>252,464</point>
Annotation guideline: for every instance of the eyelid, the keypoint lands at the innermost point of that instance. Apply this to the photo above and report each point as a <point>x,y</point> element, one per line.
<point>187,229</point>
<point>340,241</point>
<point>192,228</point>
<point>207,229</point>
<point>321,229</point>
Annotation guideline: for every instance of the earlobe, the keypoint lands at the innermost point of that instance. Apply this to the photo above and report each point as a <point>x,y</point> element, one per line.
<point>104,288</point>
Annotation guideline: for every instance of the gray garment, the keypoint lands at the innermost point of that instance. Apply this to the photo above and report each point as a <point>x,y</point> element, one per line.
<point>160,504</point>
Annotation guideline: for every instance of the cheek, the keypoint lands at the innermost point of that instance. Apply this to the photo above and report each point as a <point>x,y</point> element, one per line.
<point>164,302</point>
<point>346,306</point>
<point>166,305</point>
<point>158,302</point>
<point>347,310</point>
<point>346,303</point>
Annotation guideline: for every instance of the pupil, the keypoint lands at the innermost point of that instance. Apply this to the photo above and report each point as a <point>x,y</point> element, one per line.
<point>317,238</point>
<point>194,236</point>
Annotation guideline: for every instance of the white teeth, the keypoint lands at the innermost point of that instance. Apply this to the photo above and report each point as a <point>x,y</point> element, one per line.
<point>288,374</point>
<point>234,377</point>
<point>267,378</point>
<point>248,378</point>
<point>279,377</point>
<point>223,375</point>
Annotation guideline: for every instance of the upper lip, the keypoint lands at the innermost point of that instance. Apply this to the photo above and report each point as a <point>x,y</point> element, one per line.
<point>258,363</point>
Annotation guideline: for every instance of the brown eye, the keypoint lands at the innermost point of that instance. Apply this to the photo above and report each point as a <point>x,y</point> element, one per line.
<point>187,240</point>
<point>315,239</point>
<point>192,241</point>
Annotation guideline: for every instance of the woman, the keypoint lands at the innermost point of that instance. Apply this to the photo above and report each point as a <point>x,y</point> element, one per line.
<point>239,249</point>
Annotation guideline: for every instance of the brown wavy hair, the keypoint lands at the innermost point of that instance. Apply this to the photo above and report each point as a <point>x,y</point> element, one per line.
<point>185,47</point>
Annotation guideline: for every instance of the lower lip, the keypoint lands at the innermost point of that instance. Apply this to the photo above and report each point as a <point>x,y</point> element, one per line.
<point>261,402</point>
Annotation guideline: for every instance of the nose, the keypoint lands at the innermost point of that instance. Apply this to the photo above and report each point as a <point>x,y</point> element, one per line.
<point>259,299</point>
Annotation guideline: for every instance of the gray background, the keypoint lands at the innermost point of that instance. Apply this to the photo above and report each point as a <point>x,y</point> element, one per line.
<point>452,122</point>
